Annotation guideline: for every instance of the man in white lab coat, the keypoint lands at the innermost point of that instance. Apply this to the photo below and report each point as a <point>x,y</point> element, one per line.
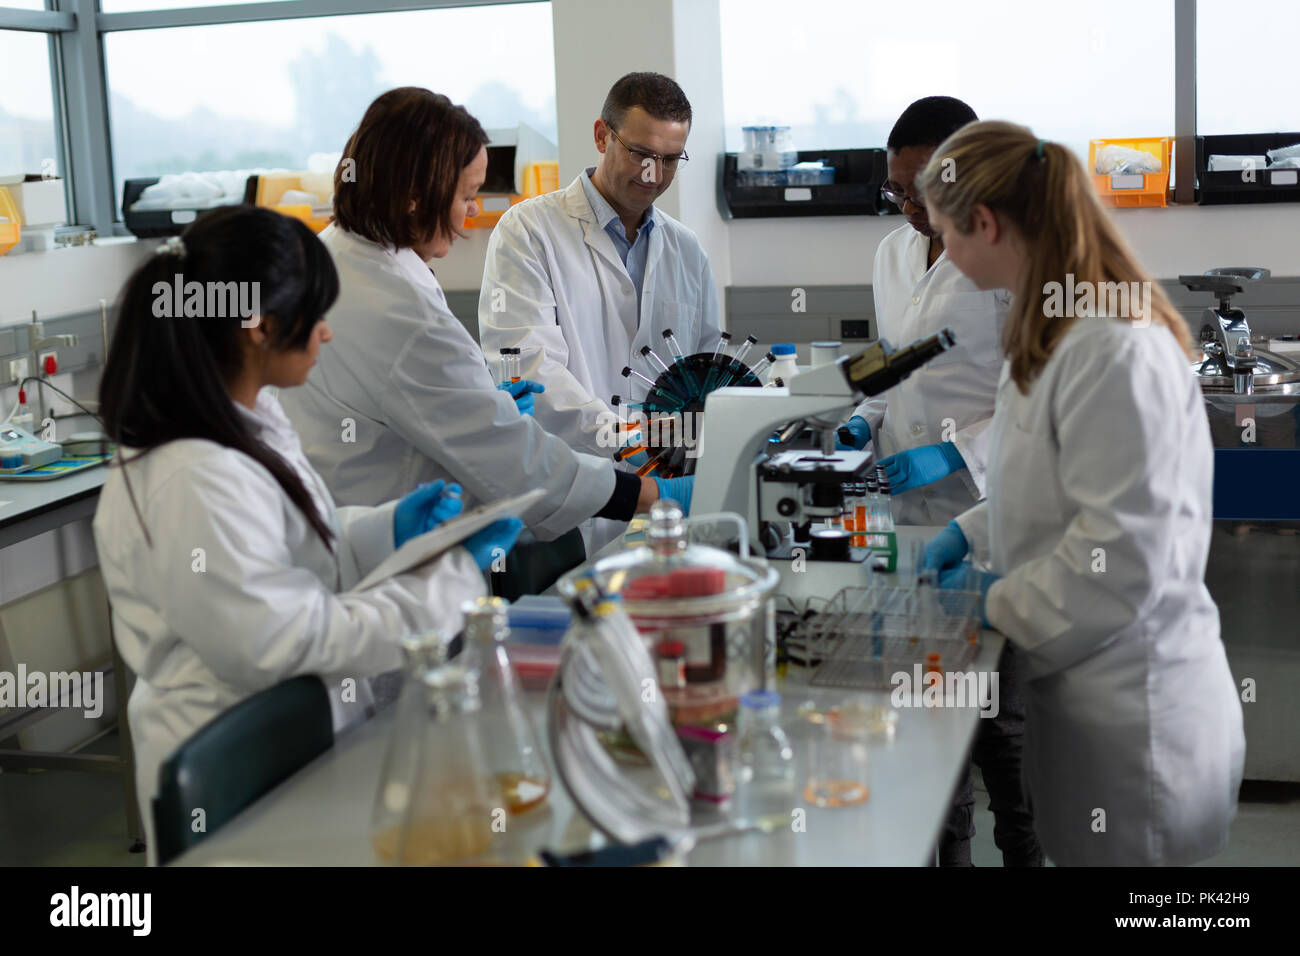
<point>583,278</point>
<point>932,433</point>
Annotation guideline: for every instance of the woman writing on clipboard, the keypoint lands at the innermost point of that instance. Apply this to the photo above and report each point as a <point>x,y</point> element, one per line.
<point>225,559</point>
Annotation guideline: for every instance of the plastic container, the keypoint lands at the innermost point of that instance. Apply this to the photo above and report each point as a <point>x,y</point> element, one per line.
<point>11,229</point>
<point>1264,184</point>
<point>767,139</point>
<point>825,353</point>
<point>786,365</point>
<point>753,160</point>
<point>1125,190</point>
<point>853,187</point>
<point>535,180</point>
<point>268,190</point>
<point>810,174</point>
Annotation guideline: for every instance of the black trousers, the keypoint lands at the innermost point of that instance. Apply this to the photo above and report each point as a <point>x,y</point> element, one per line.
<point>996,751</point>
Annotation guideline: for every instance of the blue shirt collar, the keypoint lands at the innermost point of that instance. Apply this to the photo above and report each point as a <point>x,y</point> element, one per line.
<point>605,213</point>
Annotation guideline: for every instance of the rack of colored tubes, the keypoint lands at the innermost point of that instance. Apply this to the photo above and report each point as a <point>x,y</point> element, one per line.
<point>661,440</point>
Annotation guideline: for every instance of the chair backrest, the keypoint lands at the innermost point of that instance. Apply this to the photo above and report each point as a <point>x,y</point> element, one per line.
<point>236,758</point>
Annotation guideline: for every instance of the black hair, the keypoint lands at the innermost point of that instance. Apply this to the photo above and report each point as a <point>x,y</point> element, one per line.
<point>929,121</point>
<point>658,95</point>
<point>167,373</point>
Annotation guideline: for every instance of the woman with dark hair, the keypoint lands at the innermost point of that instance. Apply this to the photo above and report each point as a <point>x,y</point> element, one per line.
<point>225,559</point>
<point>406,395</point>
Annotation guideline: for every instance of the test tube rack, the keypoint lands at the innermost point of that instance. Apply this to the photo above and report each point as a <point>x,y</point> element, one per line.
<point>862,637</point>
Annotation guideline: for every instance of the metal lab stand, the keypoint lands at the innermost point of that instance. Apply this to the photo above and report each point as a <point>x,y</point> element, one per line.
<point>34,508</point>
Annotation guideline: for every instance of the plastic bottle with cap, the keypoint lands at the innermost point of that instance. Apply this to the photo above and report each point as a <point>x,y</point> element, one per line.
<point>765,782</point>
<point>784,364</point>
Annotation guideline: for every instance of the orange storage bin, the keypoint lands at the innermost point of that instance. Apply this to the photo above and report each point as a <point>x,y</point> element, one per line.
<point>10,228</point>
<point>272,186</point>
<point>1126,190</point>
<point>538,179</point>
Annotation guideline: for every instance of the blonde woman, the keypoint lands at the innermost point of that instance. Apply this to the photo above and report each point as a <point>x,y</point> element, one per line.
<point>1097,520</point>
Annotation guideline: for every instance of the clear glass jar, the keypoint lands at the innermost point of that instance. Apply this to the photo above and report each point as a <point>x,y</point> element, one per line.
<point>714,603</point>
<point>838,758</point>
<point>765,776</point>
<point>514,753</point>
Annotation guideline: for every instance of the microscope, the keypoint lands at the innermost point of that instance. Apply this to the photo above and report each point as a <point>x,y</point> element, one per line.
<point>747,465</point>
<point>1225,333</point>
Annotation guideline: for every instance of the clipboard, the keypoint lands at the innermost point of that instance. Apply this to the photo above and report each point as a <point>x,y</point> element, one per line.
<point>425,547</point>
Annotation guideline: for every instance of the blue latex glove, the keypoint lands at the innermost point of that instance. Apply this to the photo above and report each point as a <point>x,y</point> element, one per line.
<point>859,431</point>
<point>639,459</point>
<point>946,549</point>
<point>959,579</point>
<point>921,466</point>
<point>494,541</point>
<point>424,509</point>
<point>679,489</point>
<point>522,392</point>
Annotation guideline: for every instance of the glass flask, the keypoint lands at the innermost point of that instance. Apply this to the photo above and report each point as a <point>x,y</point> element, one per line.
<point>765,778</point>
<point>443,804</point>
<point>514,753</point>
<point>422,653</point>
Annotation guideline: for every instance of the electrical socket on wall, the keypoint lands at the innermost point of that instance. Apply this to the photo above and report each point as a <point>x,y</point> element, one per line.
<point>18,370</point>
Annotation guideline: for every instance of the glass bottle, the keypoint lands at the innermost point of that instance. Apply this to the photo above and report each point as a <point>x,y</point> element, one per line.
<point>765,783</point>
<point>514,753</point>
<point>445,805</point>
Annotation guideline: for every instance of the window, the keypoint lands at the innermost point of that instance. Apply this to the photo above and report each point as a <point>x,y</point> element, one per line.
<point>273,93</point>
<point>1245,67</point>
<point>134,6</point>
<point>27,140</point>
<point>841,71</point>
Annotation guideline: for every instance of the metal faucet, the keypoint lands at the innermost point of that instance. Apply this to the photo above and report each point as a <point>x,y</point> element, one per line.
<point>38,341</point>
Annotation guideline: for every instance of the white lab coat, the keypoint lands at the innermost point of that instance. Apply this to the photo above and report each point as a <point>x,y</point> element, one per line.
<point>238,593</point>
<point>1098,519</point>
<point>555,287</point>
<point>403,395</point>
<point>951,397</point>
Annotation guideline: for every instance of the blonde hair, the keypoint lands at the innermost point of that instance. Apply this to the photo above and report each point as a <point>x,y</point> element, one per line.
<point>1044,191</point>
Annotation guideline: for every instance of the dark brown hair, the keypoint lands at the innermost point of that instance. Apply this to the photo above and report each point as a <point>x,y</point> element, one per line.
<point>658,95</point>
<point>412,144</point>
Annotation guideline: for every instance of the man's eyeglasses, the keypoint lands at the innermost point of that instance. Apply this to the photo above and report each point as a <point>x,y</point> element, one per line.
<point>643,158</point>
<point>899,198</point>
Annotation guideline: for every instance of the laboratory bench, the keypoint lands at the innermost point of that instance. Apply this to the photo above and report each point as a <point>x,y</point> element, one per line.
<point>28,509</point>
<point>321,815</point>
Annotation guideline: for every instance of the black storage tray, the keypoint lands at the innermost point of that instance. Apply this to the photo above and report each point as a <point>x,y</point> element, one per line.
<point>1227,186</point>
<point>153,223</point>
<point>859,174</point>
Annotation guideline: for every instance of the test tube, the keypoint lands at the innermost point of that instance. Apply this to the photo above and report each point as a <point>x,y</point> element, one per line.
<point>672,399</point>
<point>615,401</point>
<point>652,358</point>
<point>718,362</point>
<point>680,358</point>
<point>508,366</point>
<point>651,465</point>
<point>737,362</point>
<point>760,367</point>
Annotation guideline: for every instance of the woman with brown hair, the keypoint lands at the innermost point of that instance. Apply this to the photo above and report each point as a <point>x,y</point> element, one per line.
<point>406,396</point>
<point>1097,520</point>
